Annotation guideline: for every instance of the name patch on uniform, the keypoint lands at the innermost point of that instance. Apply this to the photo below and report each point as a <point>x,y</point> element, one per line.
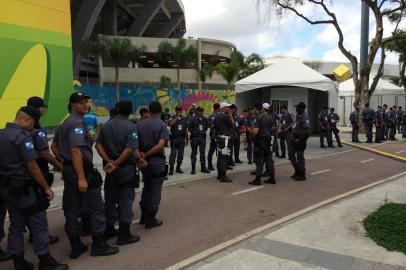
<point>29,145</point>
<point>79,131</point>
<point>41,134</point>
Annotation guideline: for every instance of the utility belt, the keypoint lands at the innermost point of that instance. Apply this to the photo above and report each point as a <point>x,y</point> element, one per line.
<point>223,143</point>
<point>125,176</point>
<point>177,136</point>
<point>198,136</point>
<point>93,176</point>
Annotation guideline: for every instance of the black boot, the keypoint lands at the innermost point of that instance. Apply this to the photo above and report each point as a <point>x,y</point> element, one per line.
<point>124,235</point>
<point>193,168</point>
<point>20,263</point>
<point>204,169</point>
<point>78,248</point>
<point>283,155</point>
<point>224,179</point>
<point>211,168</point>
<point>47,262</point>
<point>255,182</point>
<point>178,169</point>
<point>110,232</point>
<point>4,256</point>
<point>266,174</point>
<point>100,247</point>
<point>340,145</point>
<point>271,180</point>
<point>151,221</point>
<point>238,161</point>
<point>301,176</point>
<point>322,146</point>
<point>171,168</point>
<point>295,174</point>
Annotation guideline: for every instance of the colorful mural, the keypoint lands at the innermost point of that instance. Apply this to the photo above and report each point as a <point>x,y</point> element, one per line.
<point>103,98</point>
<point>35,56</point>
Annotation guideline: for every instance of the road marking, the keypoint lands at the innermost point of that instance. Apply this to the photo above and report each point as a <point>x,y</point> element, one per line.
<point>367,160</point>
<point>211,251</point>
<point>320,172</point>
<point>400,152</point>
<point>246,190</point>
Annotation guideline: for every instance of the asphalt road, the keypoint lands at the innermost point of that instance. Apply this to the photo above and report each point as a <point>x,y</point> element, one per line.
<point>203,213</point>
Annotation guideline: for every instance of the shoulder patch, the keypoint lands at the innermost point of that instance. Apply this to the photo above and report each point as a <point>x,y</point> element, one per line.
<point>79,131</point>
<point>41,134</point>
<point>29,145</point>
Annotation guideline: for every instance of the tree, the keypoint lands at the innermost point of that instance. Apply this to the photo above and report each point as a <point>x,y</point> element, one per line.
<point>180,55</point>
<point>117,51</point>
<point>252,64</point>
<point>230,71</point>
<point>379,8</point>
<point>205,72</point>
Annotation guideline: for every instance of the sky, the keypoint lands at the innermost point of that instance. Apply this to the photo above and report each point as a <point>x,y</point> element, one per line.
<point>254,28</point>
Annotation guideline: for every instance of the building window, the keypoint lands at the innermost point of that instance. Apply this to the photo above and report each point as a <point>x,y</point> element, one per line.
<point>278,103</point>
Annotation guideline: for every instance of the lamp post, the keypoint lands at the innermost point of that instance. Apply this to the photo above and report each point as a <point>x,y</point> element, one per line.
<point>364,35</point>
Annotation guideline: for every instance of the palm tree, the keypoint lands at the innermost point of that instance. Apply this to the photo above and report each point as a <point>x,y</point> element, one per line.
<point>252,64</point>
<point>180,55</point>
<point>205,72</point>
<point>230,71</point>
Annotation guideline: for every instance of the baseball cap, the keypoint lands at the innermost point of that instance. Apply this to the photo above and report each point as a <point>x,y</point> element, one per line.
<point>36,102</point>
<point>301,105</point>
<point>32,112</point>
<point>178,108</point>
<point>78,97</point>
<point>266,106</point>
<point>224,105</point>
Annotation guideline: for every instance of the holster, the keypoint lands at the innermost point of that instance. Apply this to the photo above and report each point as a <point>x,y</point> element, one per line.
<point>19,193</point>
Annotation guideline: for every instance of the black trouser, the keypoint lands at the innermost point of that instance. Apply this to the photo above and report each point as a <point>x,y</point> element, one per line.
<point>3,212</point>
<point>73,201</point>
<point>250,146</point>
<point>379,133</point>
<point>354,132</point>
<point>386,130</point>
<point>325,133</point>
<point>236,146</point>
<point>198,142</point>
<point>119,196</point>
<point>177,150</point>
<point>296,156</point>
<point>151,193</point>
<point>275,146</point>
<point>334,130</point>
<point>404,129</point>
<point>368,130</point>
<point>284,138</point>
<point>212,149</point>
<point>391,130</point>
<point>263,155</point>
<point>224,157</point>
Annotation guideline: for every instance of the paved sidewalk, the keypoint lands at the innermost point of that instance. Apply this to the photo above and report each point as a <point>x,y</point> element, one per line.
<point>331,237</point>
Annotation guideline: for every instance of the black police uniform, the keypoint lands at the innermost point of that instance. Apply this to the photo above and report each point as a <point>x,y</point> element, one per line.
<point>198,128</point>
<point>18,191</point>
<point>116,136</point>
<point>403,122</point>
<point>298,144</point>
<point>379,126</point>
<point>399,115</point>
<point>286,122</point>
<point>274,133</point>
<point>150,131</point>
<point>385,120</point>
<point>72,134</point>
<point>262,148</point>
<point>223,126</point>
<point>251,122</point>
<point>354,119</point>
<point>213,145</point>
<point>324,123</point>
<point>368,115</point>
<point>391,117</point>
<point>3,211</point>
<point>334,119</point>
<point>237,139</point>
<point>178,142</point>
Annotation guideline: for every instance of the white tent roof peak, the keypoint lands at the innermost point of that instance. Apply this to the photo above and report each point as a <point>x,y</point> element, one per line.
<point>287,72</point>
<point>383,88</point>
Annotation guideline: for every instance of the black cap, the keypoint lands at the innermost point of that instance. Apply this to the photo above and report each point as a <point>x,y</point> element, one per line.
<point>31,111</point>
<point>36,102</point>
<point>78,97</point>
<point>200,109</point>
<point>178,108</point>
<point>301,105</point>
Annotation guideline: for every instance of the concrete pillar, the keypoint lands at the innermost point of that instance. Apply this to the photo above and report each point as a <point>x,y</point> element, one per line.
<point>171,25</point>
<point>109,18</point>
<point>199,62</point>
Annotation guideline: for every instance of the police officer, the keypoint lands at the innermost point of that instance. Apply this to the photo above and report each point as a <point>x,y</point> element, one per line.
<point>166,116</point>
<point>19,176</point>
<point>262,133</point>
<point>379,125</point>
<point>385,119</point>
<point>223,126</point>
<point>354,119</point>
<point>403,122</point>
<point>285,129</point>
<point>115,144</point>
<point>213,146</point>
<point>399,114</point>
<point>391,118</point>
<point>237,134</point>
<point>298,142</point>
<point>334,119</point>
<point>368,115</point>
<point>274,133</point>
<point>82,183</point>
<point>198,128</point>
<point>251,121</point>
<point>324,123</point>
<point>179,138</point>
<point>152,136</point>
<point>45,156</point>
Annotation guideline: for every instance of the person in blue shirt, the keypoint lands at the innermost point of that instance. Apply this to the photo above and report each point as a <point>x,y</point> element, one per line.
<point>93,124</point>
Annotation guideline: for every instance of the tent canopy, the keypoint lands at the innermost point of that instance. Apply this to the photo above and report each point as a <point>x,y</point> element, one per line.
<point>383,88</point>
<point>288,72</point>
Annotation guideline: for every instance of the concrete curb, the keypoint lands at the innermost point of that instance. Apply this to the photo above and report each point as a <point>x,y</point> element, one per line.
<point>376,151</point>
<point>207,253</point>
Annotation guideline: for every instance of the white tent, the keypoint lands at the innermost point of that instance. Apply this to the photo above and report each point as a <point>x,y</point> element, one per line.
<point>288,72</point>
<point>383,88</point>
